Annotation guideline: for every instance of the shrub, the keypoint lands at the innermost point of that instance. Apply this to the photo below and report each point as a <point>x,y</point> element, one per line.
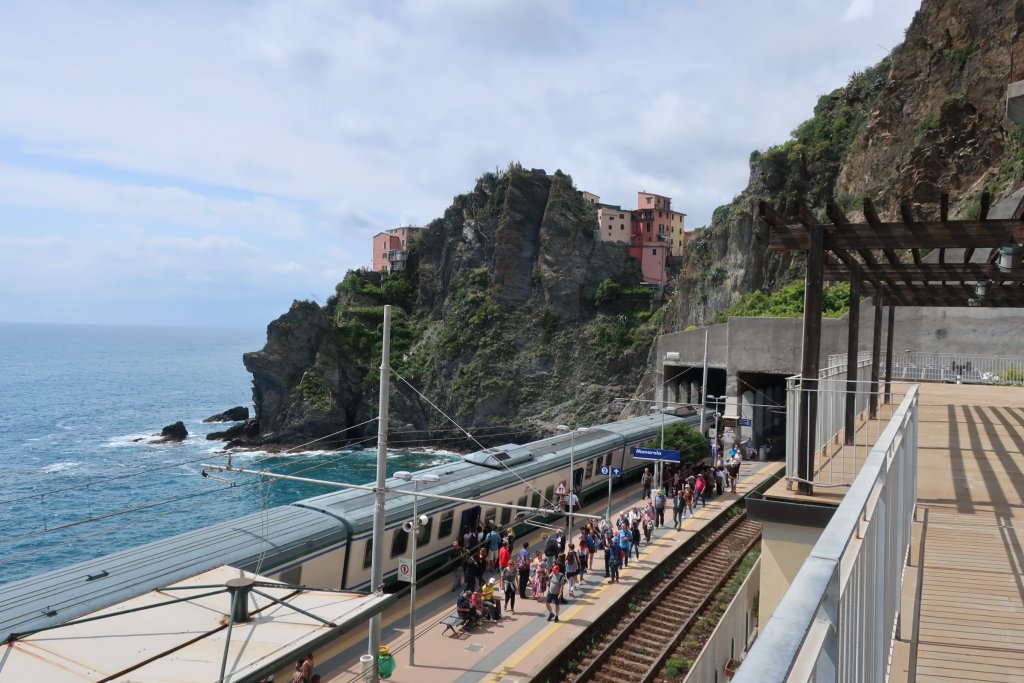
<point>607,292</point>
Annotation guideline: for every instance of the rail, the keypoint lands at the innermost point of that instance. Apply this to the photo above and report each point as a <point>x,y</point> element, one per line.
<point>838,618</point>
<point>836,461</point>
<point>949,367</point>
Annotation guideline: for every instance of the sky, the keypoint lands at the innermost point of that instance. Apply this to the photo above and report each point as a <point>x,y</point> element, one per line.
<point>206,162</point>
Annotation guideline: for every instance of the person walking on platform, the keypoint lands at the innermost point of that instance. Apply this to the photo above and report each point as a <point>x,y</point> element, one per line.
<point>698,491</point>
<point>510,582</point>
<point>635,541</point>
<point>646,479</point>
<point>523,566</point>
<point>687,499</point>
<point>611,563</point>
<point>659,509</point>
<point>625,538</point>
<point>734,474</point>
<point>556,586</point>
<point>678,509</point>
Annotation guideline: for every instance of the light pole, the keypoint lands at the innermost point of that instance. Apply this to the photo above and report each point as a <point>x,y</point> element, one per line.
<point>572,467</point>
<point>716,400</point>
<point>412,528</point>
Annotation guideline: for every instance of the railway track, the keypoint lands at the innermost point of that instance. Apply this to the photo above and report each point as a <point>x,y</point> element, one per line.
<point>637,647</point>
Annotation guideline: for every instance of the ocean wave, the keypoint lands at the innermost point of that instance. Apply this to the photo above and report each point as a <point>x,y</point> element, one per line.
<point>59,467</point>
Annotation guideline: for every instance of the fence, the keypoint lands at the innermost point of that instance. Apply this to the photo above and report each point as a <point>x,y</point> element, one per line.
<point>933,367</point>
<point>838,618</point>
<point>836,462</point>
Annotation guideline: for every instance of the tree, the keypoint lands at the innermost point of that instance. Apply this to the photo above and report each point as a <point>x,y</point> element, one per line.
<point>692,446</point>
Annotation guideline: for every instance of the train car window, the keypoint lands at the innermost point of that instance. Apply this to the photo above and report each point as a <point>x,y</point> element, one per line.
<point>490,516</point>
<point>444,530</point>
<point>506,515</point>
<point>536,500</point>
<point>291,576</point>
<point>522,504</point>
<point>549,495</point>
<point>590,469</point>
<point>368,554</point>
<point>399,542</point>
<point>608,460</point>
<point>423,535</point>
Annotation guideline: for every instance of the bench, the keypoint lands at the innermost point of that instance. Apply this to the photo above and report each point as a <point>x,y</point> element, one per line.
<point>450,622</point>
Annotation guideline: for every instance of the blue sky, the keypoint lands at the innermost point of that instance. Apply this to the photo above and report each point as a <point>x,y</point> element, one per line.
<point>207,162</point>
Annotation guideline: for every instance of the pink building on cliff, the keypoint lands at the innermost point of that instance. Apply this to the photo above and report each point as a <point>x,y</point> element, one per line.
<point>391,248</point>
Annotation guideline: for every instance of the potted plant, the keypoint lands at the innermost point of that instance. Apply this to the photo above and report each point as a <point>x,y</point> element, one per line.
<point>731,666</point>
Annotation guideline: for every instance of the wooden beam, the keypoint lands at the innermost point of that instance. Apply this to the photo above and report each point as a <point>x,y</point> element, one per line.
<point>986,201</point>
<point>925,273</point>
<point>876,352</point>
<point>943,217</point>
<point>888,352</point>
<point>852,351</point>
<point>926,235</point>
<point>907,214</point>
<point>810,361</point>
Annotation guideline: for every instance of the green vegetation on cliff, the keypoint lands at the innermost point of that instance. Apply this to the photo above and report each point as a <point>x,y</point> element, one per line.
<point>787,302</point>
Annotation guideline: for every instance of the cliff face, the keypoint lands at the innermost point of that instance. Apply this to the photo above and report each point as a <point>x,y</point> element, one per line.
<point>497,323</point>
<point>928,119</point>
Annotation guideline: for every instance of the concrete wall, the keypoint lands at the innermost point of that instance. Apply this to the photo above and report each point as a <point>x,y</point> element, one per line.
<point>729,639</point>
<point>784,548</point>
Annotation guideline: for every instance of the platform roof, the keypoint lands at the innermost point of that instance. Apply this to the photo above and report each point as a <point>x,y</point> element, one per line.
<point>185,640</point>
<point>853,248</point>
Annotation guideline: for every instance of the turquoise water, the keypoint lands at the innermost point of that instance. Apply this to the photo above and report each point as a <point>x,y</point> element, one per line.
<point>73,401</point>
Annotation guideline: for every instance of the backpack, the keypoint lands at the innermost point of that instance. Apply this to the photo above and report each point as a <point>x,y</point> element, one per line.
<point>522,562</point>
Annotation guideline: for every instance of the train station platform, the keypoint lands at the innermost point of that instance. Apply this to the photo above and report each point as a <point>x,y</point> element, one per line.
<point>522,644</point>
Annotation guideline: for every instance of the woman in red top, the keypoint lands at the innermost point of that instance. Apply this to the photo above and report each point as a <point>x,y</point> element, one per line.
<point>503,555</point>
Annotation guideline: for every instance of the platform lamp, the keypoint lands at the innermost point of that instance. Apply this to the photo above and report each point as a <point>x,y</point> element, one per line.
<point>412,528</point>
<point>1009,257</point>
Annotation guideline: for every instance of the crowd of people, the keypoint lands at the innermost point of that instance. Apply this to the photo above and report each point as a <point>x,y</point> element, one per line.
<point>552,570</point>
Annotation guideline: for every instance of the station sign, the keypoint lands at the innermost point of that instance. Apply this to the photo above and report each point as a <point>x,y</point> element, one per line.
<point>641,453</point>
<point>745,422</point>
<point>605,470</point>
<point>616,471</point>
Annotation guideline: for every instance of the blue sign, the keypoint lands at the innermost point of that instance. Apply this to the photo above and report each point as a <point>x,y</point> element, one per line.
<point>604,469</point>
<point>655,454</point>
<point>745,422</point>
<point>616,471</point>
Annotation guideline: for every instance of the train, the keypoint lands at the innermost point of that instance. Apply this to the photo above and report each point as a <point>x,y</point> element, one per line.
<point>325,541</point>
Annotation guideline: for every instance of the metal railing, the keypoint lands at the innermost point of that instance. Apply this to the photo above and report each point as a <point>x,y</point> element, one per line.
<point>836,462</point>
<point>837,620</point>
<point>948,367</point>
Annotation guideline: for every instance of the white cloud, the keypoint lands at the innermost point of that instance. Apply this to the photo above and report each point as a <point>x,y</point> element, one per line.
<point>293,126</point>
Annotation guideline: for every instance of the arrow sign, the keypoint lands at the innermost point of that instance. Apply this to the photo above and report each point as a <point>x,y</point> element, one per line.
<point>616,471</point>
<point>604,469</point>
<point>655,454</point>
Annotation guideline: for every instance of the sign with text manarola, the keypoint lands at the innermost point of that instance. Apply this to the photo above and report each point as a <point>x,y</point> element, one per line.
<point>641,453</point>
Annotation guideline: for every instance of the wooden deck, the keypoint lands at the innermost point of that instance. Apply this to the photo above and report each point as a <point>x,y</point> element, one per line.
<point>963,593</point>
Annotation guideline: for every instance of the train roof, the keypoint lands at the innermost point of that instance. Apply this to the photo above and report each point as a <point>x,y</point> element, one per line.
<point>67,593</point>
<point>489,469</point>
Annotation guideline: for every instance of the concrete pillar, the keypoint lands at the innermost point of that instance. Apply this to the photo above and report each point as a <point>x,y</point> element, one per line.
<point>746,412</point>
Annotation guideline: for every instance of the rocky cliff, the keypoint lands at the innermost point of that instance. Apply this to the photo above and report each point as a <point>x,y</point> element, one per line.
<point>509,318</point>
<point>930,118</point>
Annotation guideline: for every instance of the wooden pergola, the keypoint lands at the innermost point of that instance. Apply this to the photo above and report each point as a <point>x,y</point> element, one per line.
<point>865,255</point>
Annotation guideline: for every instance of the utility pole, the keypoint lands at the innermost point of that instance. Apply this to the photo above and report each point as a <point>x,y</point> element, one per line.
<point>377,551</point>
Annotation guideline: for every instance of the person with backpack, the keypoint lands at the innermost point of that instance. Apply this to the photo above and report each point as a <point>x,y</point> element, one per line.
<point>556,587</point>
<point>635,541</point>
<point>584,553</point>
<point>523,567</point>
<point>551,549</point>
<point>646,479</point>
<point>509,580</point>
<point>678,508</point>
<point>625,539</point>
<point>698,490</point>
<point>611,565</point>
<point>572,569</point>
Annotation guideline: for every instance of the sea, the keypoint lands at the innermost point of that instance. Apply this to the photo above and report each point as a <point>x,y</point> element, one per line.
<point>79,406</point>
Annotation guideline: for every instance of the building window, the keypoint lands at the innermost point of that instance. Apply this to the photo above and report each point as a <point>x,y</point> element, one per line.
<point>549,494</point>
<point>590,469</point>
<point>490,516</point>
<point>622,215</point>
<point>654,251</point>
<point>650,199</point>
<point>445,528</point>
